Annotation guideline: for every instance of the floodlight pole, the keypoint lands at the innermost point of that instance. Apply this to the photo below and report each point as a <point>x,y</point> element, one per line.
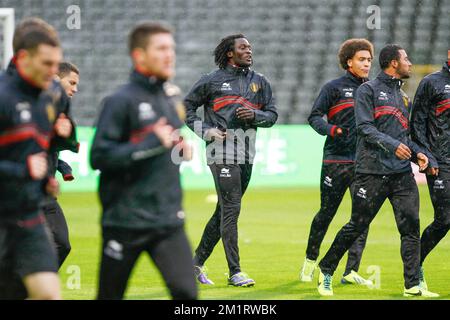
<point>8,31</point>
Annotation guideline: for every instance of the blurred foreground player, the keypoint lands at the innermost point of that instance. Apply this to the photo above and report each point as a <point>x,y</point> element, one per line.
<point>383,170</point>
<point>336,101</point>
<point>136,148</point>
<point>430,128</point>
<point>236,101</point>
<point>31,125</point>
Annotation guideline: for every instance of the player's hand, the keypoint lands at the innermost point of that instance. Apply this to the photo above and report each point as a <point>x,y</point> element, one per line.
<point>63,126</point>
<point>164,132</point>
<point>422,161</point>
<point>37,165</point>
<point>215,133</point>
<point>245,114</point>
<point>52,187</point>
<point>403,152</point>
<point>432,171</point>
<point>339,131</point>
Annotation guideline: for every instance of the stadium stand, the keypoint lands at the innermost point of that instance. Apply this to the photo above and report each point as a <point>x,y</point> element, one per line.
<point>295,41</point>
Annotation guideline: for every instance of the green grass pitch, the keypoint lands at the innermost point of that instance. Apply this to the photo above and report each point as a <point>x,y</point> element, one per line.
<point>273,230</point>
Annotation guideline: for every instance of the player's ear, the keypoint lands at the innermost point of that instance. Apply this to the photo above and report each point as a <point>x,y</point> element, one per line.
<point>230,54</point>
<point>394,64</point>
<point>349,63</point>
<point>137,55</point>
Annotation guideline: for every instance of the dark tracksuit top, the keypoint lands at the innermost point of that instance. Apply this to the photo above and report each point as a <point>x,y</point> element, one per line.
<point>221,92</point>
<point>430,117</point>
<point>139,183</point>
<point>382,123</point>
<point>55,163</point>
<point>27,117</point>
<point>336,101</point>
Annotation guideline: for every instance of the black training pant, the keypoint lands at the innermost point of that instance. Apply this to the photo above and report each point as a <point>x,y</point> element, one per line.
<point>231,181</point>
<point>439,188</point>
<point>25,249</point>
<point>57,224</point>
<point>169,249</point>
<point>336,178</point>
<point>370,192</point>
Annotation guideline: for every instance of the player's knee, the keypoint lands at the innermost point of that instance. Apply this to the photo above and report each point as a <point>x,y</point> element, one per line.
<point>442,224</point>
<point>323,217</point>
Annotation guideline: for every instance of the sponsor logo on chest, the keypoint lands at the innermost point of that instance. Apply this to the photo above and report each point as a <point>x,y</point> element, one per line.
<point>226,86</point>
<point>383,96</point>
<point>447,88</point>
<point>23,108</point>
<point>146,111</point>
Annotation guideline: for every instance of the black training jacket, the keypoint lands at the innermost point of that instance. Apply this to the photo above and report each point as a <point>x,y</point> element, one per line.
<point>430,117</point>
<point>382,122</point>
<point>139,182</point>
<point>27,117</point>
<point>221,92</point>
<point>336,101</point>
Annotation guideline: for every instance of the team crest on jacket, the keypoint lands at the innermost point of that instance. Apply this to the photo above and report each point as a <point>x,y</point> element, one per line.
<point>171,90</point>
<point>181,110</point>
<point>51,113</point>
<point>254,87</point>
<point>405,99</point>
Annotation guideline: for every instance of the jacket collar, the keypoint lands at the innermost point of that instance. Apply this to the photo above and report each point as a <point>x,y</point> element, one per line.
<point>446,68</point>
<point>237,70</point>
<point>148,82</point>
<point>390,80</point>
<point>11,66</point>
<point>355,78</point>
<point>21,81</point>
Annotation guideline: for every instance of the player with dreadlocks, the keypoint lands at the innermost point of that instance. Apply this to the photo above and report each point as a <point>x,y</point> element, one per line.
<point>236,100</point>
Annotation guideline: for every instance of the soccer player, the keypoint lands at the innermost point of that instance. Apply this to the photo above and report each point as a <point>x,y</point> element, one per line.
<point>68,75</point>
<point>383,170</point>
<point>430,120</point>
<point>31,124</point>
<point>236,101</point>
<point>336,102</point>
<point>140,189</point>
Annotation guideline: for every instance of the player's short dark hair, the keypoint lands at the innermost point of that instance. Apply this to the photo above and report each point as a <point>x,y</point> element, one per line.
<point>140,35</point>
<point>32,32</point>
<point>226,45</point>
<point>66,67</point>
<point>388,53</point>
<point>349,48</point>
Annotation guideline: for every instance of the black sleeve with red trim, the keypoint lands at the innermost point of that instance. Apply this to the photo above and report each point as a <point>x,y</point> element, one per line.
<point>419,119</point>
<point>196,98</point>
<point>268,115</point>
<point>320,108</point>
<point>65,169</point>
<point>111,148</point>
<point>365,125</point>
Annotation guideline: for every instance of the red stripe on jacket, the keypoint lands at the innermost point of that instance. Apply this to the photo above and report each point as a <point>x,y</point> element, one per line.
<point>388,110</point>
<point>442,106</point>
<point>221,102</point>
<point>341,105</point>
<point>24,132</point>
